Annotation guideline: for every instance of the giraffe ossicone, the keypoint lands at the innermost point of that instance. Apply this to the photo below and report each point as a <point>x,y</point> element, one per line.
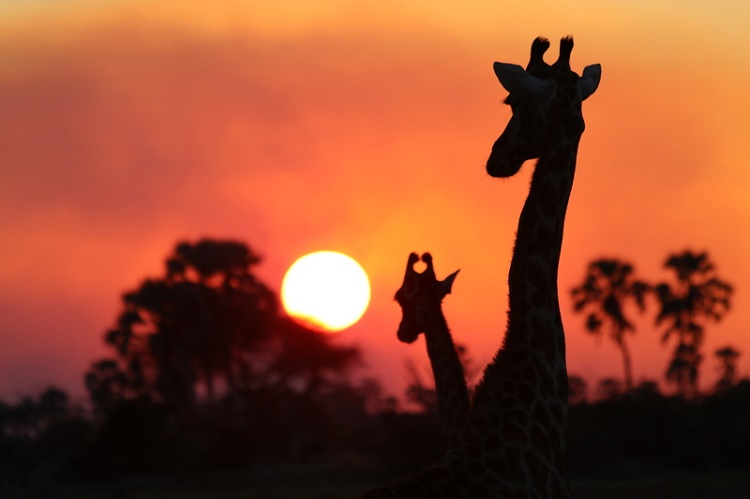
<point>531,97</point>
<point>420,296</point>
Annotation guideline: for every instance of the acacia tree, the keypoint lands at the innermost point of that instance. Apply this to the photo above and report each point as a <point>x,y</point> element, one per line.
<point>209,331</point>
<point>695,297</point>
<point>607,288</point>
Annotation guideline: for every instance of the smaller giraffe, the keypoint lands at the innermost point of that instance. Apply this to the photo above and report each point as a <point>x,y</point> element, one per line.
<point>420,297</point>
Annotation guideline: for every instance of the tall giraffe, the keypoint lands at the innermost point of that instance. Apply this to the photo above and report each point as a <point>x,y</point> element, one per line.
<point>420,298</point>
<point>514,439</point>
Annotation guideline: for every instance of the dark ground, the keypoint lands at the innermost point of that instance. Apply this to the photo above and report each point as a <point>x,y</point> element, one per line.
<point>334,481</point>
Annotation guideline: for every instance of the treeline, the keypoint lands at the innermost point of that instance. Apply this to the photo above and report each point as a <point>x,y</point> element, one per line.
<point>641,431</point>
<point>40,440</point>
<point>205,373</point>
<point>645,431</point>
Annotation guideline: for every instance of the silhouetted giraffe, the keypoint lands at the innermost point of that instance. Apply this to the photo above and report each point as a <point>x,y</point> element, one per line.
<point>514,439</point>
<point>420,297</point>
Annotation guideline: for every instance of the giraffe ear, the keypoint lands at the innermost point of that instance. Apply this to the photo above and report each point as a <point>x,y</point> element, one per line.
<point>589,82</point>
<point>515,79</point>
<point>447,284</point>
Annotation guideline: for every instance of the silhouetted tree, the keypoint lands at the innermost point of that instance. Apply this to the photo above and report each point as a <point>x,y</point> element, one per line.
<point>53,404</point>
<point>609,388</point>
<point>577,388</point>
<point>695,297</point>
<point>728,357</point>
<point>108,385</point>
<point>23,418</point>
<point>209,332</point>
<point>418,392</point>
<point>30,415</point>
<point>647,389</point>
<point>607,288</point>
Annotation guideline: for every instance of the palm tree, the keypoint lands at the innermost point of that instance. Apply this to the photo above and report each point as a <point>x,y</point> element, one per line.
<point>609,285</point>
<point>696,297</point>
<point>728,357</point>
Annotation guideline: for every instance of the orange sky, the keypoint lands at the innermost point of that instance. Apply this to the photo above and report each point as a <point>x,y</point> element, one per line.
<point>361,127</point>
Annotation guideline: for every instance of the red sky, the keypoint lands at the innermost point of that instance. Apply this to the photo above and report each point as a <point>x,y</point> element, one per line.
<point>361,127</point>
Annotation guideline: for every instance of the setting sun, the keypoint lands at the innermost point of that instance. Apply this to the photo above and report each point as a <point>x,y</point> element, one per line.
<point>326,288</point>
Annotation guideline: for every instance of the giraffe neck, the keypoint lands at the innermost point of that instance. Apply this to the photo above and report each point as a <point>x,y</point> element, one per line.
<point>535,336</point>
<point>522,397</point>
<point>450,383</point>
<point>532,278</point>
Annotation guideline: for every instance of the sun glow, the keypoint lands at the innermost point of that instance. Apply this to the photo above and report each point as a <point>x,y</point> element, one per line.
<point>326,288</point>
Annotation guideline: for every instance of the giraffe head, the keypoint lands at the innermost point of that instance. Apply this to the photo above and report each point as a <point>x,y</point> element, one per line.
<point>540,97</point>
<point>420,297</point>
